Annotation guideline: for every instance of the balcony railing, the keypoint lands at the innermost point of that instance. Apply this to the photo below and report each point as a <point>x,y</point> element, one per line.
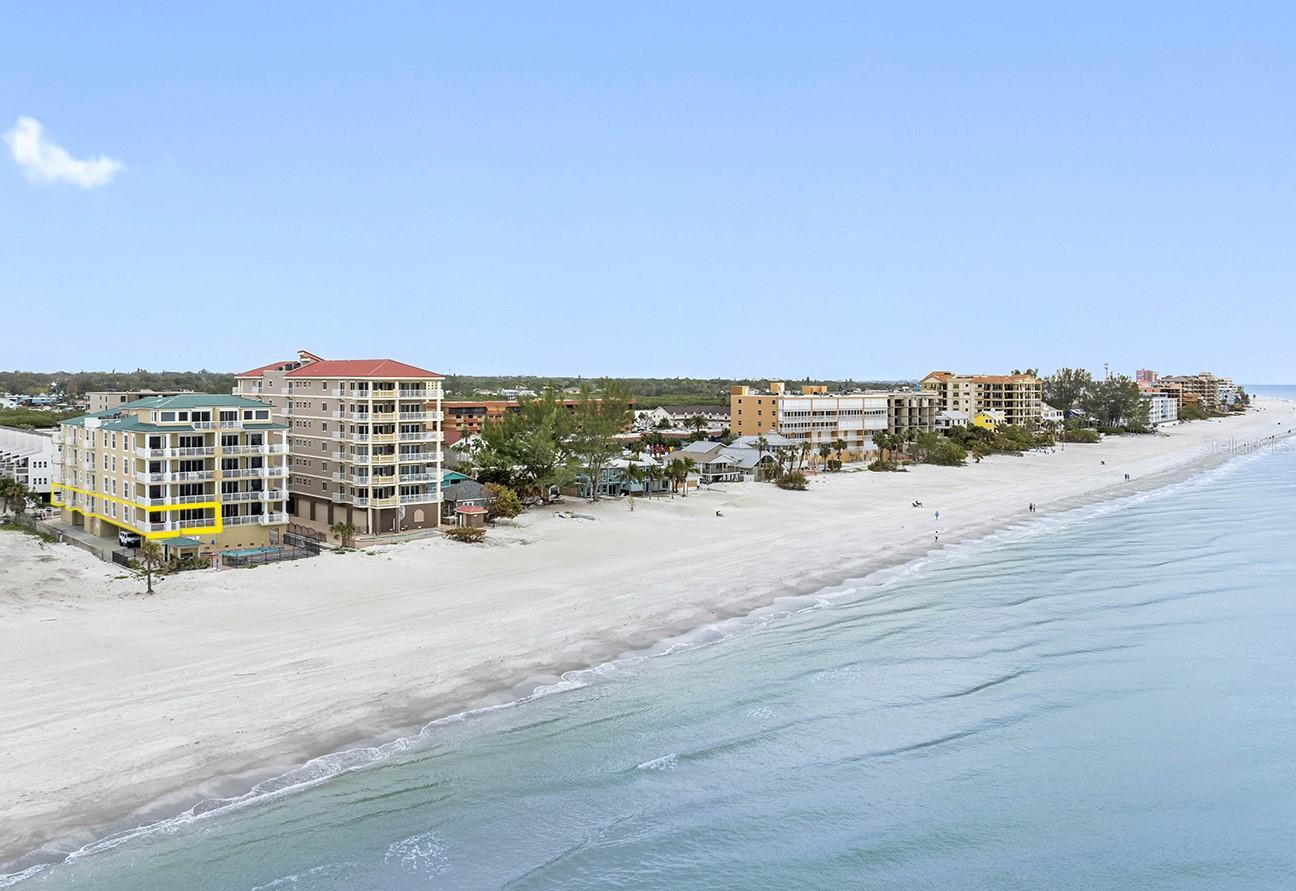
<point>339,497</point>
<point>422,436</point>
<point>417,477</point>
<point>244,520</point>
<point>414,415</point>
<point>420,497</point>
<point>413,393</point>
<point>382,459</point>
<point>217,425</point>
<point>273,519</point>
<point>417,457</point>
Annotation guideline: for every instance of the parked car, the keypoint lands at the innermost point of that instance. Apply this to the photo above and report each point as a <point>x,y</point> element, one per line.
<point>129,539</point>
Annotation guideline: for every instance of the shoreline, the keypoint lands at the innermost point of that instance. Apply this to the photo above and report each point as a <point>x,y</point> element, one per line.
<point>408,695</point>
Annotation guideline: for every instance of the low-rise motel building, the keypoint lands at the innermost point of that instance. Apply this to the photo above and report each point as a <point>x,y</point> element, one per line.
<point>364,439</point>
<point>818,417</point>
<point>1018,398</point>
<point>200,470</point>
<point>465,417</point>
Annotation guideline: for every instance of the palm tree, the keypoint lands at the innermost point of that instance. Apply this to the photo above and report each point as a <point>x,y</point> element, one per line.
<point>633,474</point>
<point>655,474</point>
<point>345,533</point>
<point>840,446</point>
<point>151,553</point>
<point>806,449</point>
<point>13,494</point>
<point>698,423</point>
<point>885,443</point>
<point>824,451</point>
<point>687,466</point>
<point>762,446</point>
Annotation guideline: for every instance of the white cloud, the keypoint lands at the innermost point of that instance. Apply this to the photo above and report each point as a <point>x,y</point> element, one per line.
<point>43,161</point>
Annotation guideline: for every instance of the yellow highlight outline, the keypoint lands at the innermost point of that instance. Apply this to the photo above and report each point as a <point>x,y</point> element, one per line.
<point>214,529</point>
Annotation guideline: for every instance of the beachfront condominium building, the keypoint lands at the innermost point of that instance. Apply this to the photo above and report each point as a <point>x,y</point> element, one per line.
<point>200,470</point>
<point>1017,397</point>
<point>1211,392</point>
<point>1162,409</point>
<point>102,400</point>
<point>811,415</point>
<point>911,410</point>
<point>364,440</point>
<point>29,456</point>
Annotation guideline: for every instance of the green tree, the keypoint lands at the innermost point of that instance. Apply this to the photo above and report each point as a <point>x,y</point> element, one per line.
<point>501,502</point>
<point>1116,402</point>
<point>1065,387</point>
<point>599,418</point>
<point>14,494</point>
<point>151,554</point>
<point>634,475</point>
<point>932,448</point>
<point>344,533</point>
<point>527,450</point>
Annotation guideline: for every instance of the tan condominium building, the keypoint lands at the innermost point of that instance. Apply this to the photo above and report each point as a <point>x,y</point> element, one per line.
<point>911,410</point>
<point>1211,392</point>
<point>1019,398</point>
<point>364,440</point>
<point>198,471</point>
<point>818,417</point>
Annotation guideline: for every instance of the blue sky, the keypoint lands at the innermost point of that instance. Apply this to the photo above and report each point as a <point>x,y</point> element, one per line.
<point>822,190</point>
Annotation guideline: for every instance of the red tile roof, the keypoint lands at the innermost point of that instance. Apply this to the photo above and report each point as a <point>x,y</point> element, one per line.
<point>273,366</point>
<point>361,368</point>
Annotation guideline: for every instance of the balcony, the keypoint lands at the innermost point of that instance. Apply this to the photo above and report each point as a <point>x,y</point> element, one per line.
<point>420,498</point>
<point>359,416</point>
<point>276,519</point>
<point>422,436</point>
<point>360,501</point>
<point>391,501</point>
<point>412,393</point>
<point>339,497</point>
<point>192,476</point>
<point>417,457</point>
<point>415,415</point>
<point>244,520</point>
<point>382,459</point>
<point>243,472</point>
<point>358,479</point>
<point>382,437</point>
<point>418,477</point>
<point>226,424</point>
<point>382,417</point>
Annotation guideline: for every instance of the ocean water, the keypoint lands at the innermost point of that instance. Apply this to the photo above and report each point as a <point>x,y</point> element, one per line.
<point>1100,699</point>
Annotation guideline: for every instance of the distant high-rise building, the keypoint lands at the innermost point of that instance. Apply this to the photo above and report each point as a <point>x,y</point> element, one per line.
<point>1145,376</point>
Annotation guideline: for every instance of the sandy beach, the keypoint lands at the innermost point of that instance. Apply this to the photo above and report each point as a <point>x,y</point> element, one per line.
<point>117,708</point>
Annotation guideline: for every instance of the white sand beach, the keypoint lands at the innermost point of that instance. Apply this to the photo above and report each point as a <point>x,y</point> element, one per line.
<point>116,707</point>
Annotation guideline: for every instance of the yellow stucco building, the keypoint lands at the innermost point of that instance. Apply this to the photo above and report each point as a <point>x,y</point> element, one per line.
<point>201,471</point>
